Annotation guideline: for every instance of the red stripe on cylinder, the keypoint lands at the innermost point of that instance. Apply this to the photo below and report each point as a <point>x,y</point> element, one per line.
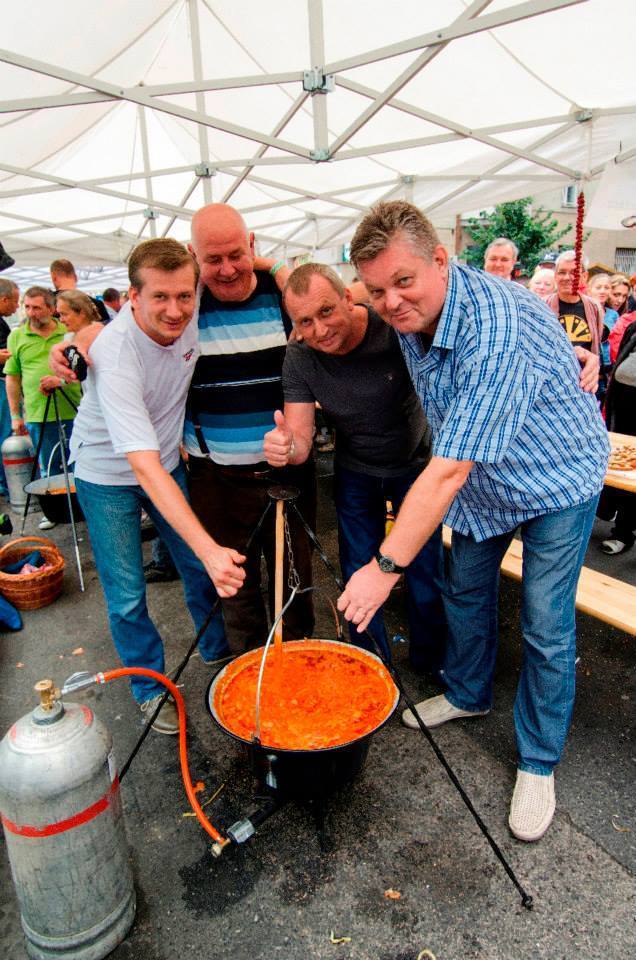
<point>12,463</point>
<point>24,830</point>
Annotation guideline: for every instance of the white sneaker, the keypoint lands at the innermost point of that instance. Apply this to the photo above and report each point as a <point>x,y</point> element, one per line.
<point>45,524</point>
<point>612,547</point>
<point>436,711</point>
<point>532,807</point>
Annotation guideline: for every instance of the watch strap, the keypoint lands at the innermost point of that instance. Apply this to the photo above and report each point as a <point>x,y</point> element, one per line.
<point>387,564</point>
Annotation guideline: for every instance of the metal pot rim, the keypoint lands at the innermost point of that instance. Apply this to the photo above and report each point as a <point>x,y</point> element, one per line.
<point>42,485</point>
<point>209,699</point>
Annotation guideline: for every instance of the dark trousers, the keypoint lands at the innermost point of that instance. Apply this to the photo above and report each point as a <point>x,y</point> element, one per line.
<point>229,502</point>
<point>361,509</point>
<point>623,504</point>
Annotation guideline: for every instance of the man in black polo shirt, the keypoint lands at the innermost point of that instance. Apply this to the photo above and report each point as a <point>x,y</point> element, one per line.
<point>348,360</point>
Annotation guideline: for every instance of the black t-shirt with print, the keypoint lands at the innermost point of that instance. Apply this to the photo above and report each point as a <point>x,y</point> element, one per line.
<point>572,319</point>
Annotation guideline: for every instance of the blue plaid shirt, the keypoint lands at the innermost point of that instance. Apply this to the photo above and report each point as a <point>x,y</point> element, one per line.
<point>500,386</point>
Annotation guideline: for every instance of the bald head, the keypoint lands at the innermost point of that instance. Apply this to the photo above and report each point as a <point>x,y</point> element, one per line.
<point>224,251</point>
<point>216,219</point>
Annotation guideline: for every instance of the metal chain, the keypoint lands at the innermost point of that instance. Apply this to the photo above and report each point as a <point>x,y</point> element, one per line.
<point>293,579</point>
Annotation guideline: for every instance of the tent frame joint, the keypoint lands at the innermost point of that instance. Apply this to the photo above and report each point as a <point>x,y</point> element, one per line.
<point>317,81</point>
<point>205,169</point>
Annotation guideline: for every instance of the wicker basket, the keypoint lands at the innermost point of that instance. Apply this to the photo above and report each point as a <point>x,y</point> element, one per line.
<point>29,591</point>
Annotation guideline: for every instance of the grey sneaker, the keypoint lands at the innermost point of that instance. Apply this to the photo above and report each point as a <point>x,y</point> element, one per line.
<point>437,710</point>
<point>532,807</point>
<point>45,524</point>
<point>167,720</point>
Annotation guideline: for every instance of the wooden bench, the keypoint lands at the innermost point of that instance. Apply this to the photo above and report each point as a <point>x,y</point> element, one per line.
<point>603,597</point>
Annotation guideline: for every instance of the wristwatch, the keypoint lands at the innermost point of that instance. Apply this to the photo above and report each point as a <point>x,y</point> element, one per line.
<point>388,564</point>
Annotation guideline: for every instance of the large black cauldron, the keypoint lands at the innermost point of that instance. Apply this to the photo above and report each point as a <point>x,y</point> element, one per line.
<point>55,505</point>
<point>303,774</point>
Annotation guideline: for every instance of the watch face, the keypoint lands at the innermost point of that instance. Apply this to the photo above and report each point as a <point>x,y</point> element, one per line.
<point>385,564</point>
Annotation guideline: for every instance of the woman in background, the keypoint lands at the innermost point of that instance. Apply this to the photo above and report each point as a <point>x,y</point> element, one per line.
<point>619,300</point>
<point>619,292</point>
<point>542,282</point>
<point>599,287</point>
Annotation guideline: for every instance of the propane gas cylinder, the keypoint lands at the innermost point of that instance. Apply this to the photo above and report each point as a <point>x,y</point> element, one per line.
<point>18,456</point>
<point>63,824</point>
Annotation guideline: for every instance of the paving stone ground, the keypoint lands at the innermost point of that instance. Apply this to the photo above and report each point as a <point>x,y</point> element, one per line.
<point>400,826</point>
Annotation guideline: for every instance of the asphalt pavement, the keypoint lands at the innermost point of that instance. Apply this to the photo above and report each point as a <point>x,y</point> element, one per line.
<point>302,888</point>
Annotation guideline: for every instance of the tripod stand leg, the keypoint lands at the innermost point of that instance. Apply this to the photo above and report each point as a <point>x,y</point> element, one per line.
<point>62,438</point>
<point>526,899</point>
<point>34,469</point>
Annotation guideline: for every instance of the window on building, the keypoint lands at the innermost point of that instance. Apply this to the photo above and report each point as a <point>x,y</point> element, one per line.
<point>625,260</point>
<point>568,197</point>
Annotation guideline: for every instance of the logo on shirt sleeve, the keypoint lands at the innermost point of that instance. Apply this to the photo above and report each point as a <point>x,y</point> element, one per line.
<point>188,356</point>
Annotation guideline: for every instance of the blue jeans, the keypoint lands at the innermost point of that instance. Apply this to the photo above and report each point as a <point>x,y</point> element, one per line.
<point>361,510</point>
<point>50,438</point>
<point>161,555</point>
<point>554,548</point>
<point>113,515</point>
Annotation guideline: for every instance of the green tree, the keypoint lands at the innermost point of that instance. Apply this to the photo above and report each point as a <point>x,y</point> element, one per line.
<point>534,233</point>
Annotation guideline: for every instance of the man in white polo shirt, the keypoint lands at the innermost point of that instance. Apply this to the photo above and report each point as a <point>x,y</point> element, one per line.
<point>126,452</point>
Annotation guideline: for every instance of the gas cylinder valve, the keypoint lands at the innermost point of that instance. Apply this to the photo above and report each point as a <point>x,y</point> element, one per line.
<point>49,693</point>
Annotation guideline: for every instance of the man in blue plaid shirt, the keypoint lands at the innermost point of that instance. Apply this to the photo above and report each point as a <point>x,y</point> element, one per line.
<point>517,445</point>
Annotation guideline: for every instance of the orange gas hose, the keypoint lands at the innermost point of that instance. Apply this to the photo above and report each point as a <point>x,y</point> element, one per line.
<point>183,754</point>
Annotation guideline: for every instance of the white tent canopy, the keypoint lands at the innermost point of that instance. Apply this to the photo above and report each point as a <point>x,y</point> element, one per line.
<point>119,120</point>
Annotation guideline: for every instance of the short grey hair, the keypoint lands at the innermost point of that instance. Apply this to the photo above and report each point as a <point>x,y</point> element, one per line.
<point>7,287</point>
<point>389,220</point>
<point>47,295</point>
<point>502,242</point>
<point>568,256</point>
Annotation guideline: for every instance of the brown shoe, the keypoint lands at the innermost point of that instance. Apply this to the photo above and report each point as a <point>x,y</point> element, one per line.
<point>167,720</point>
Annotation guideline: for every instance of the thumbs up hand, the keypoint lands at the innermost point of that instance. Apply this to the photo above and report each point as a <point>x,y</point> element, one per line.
<point>278,444</point>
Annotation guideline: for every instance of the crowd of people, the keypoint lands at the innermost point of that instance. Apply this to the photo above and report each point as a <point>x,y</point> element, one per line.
<point>447,388</point>
<point>596,316</point>
<point>51,316</point>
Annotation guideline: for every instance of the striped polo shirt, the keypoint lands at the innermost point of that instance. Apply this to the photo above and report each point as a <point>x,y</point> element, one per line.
<point>237,382</point>
<point>500,386</point>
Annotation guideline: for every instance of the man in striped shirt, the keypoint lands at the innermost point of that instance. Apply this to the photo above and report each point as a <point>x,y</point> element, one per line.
<point>516,445</point>
<point>237,386</point>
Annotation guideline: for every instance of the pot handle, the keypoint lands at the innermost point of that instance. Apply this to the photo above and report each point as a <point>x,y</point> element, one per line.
<point>257,711</point>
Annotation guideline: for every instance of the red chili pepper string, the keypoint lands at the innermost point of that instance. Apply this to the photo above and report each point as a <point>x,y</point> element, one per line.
<point>578,243</point>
